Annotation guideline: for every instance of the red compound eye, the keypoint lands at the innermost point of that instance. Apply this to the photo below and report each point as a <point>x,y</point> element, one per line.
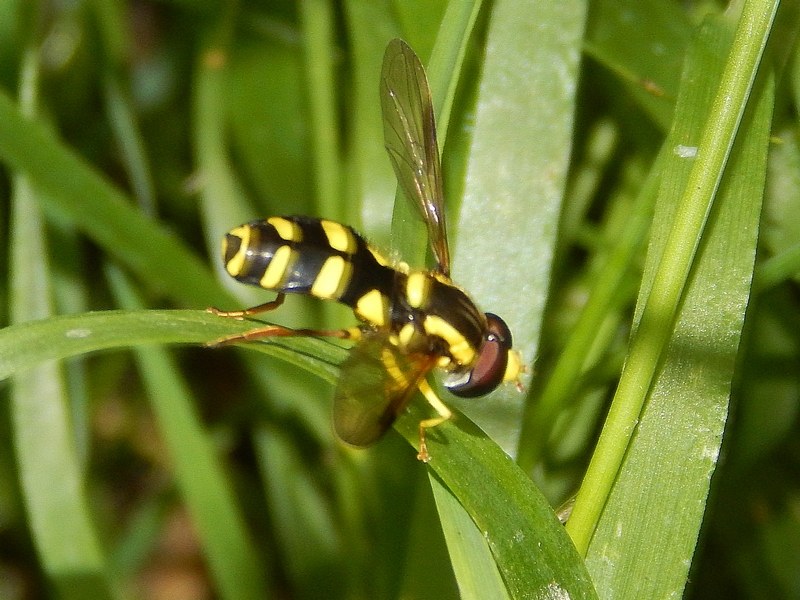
<point>490,367</point>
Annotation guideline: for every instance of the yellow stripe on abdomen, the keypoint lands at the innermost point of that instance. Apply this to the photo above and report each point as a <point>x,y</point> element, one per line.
<point>339,236</point>
<point>332,279</point>
<point>235,264</point>
<point>276,270</point>
<point>373,307</point>
<point>288,230</point>
<point>418,289</point>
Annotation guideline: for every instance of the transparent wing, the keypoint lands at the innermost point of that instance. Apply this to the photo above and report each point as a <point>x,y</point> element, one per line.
<point>409,130</point>
<point>375,384</point>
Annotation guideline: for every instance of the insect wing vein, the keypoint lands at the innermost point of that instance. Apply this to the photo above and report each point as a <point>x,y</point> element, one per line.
<point>376,382</point>
<point>410,135</point>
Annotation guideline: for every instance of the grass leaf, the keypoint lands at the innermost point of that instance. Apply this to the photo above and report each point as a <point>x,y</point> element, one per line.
<point>677,440</point>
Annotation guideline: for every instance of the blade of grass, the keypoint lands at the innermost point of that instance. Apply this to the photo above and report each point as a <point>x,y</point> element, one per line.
<point>528,543</point>
<point>25,345</point>
<point>223,204</point>
<point>662,489</point>
<point>110,19</point>
<point>671,267</point>
<point>515,180</point>
<point>316,17</point>
<point>50,471</point>
<point>305,525</point>
<point>78,194</point>
<point>474,566</point>
<point>426,574</point>
<point>263,95</point>
<point>778,269</point>
<point>369,172</point>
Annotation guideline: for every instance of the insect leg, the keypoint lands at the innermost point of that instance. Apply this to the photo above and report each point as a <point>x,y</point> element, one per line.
<point>247,312</point>
<point>444,415</point>
<point>279,331</point>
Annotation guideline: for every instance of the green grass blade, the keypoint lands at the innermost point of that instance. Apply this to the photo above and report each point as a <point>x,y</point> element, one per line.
<point>661,491</point>
<point>679,243</point>
<point>110,19</point>
<point>223,204</point>
<point>316,17</point>
<point>305,523</point>
<point>25,345</point>
<point>369,173</point>
<point>529,545</point>
<point>515,180</point>
<point>473,563</point>
<point>50,469</point>
<point>76,192</point>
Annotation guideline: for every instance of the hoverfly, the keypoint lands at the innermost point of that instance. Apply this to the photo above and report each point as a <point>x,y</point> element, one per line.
<point>411,320</point>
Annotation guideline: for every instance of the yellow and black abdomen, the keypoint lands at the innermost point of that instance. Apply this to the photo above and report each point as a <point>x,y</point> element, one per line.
<point>305,255</point>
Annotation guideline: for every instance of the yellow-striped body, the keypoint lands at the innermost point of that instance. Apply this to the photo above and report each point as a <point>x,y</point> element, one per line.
<point>424,311</point>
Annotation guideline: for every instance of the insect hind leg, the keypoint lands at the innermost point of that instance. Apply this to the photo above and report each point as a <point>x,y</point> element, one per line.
<point>270,331</point>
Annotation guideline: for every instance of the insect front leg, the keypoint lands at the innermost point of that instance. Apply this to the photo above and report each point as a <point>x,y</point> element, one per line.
<point>445,414</point>
<point>248,312</point>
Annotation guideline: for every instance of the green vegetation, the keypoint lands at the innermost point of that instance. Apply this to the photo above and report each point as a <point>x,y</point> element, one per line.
<point>622,181</point>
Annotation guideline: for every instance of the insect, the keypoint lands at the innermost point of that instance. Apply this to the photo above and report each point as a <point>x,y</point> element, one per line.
<point>411,320</point>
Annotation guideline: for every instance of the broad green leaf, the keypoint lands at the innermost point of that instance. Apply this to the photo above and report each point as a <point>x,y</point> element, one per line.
<point>515,179</point>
